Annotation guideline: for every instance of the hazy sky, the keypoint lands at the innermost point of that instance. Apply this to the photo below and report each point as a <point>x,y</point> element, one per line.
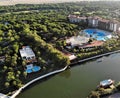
<point>9,2</point>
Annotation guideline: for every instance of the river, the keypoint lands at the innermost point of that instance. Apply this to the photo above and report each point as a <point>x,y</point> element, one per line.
<point>78,81</point>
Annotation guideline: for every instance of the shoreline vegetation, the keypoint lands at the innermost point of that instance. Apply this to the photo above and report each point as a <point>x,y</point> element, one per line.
<point>45,30</point>
<point>57,71</point>
<point>63,69</point>
<point>102,92</point>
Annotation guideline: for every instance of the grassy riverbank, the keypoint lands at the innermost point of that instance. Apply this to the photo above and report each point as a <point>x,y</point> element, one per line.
<point>44,31</point>
<point>105,92</point>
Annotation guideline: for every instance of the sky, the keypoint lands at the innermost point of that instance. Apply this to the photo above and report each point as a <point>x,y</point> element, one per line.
<point>11,2</point>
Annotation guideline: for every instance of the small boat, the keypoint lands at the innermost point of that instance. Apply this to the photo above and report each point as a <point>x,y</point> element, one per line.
<point>106,83</point>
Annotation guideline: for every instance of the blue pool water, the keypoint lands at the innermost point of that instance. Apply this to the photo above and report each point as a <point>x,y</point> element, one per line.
<point>29,70</point>
<point>33,69</point>
<point>98,34</point>
<point>36,68</point>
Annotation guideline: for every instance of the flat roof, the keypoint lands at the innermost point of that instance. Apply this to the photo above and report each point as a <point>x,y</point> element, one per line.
<point>26,51</point>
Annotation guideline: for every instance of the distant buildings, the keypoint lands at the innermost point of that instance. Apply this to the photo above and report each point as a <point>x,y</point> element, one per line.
<point>76,18</point>
<point>97,22</point>
<point>27,54</point>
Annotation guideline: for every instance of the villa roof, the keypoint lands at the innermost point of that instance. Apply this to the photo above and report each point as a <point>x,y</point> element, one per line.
<point>26,51</point>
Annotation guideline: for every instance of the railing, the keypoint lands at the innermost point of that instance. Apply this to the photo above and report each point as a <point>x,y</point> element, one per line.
<point>97,56</point>
<point>34,80</point>
<point>57,71</point>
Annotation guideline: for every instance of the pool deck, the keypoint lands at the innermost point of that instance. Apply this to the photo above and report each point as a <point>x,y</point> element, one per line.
<point>98,34</point>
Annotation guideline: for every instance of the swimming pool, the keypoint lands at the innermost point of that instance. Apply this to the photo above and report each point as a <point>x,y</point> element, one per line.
<point>36,68</point>
<point>31,69</point>
<point>98,34</point>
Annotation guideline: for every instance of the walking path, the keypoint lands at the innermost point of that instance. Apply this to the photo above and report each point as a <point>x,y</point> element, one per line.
<point>90,58</point>
<point>57,71</point>
<point>34,80</point>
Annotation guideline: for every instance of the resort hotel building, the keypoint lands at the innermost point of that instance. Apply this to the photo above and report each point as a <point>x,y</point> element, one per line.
<point>97,22</point>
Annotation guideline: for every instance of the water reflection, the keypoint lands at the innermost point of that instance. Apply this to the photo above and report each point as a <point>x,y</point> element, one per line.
<point>65,74</point>
<point>78,81</point>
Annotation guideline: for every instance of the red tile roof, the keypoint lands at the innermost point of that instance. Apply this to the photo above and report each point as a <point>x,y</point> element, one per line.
<point>94,43</point>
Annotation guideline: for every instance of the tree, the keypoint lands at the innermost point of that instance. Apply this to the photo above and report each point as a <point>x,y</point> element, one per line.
<point>10,76</point>
<point>23,63</point>
<point>4,68</point>
<point>118,86</point>
<point>7,84</point>
<point>19,85</point>
<point>18,72</point>
<point>25,74</point>
<point>14,83</point>
<point>94,94</point>
<point>16,47</point>
<point>14,61</point>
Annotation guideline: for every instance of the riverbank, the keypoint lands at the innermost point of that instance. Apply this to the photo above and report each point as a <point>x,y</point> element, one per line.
<point>97,56</point>
<point>34,80</point>
<point>57,71</point>
<point>111,91</point>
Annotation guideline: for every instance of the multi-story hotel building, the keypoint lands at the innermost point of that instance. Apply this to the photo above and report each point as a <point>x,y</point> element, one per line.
<point>76,19</point>
<point>97,22</point>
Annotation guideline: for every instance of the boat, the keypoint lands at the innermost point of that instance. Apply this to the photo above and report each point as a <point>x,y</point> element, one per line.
<point>106,83</point>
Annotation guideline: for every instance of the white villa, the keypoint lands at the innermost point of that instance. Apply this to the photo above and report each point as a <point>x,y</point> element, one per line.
<point>27,54</point>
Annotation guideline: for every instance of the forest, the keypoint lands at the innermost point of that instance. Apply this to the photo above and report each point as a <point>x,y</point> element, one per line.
<point>43,27</point>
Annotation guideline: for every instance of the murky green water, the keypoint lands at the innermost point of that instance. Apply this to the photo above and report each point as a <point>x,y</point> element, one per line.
<point>78,81</point>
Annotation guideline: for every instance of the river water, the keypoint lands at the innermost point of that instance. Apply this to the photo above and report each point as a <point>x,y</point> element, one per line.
<point>78,81</point>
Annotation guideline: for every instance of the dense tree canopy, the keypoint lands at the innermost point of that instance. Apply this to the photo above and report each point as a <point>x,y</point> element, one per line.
<point>43,27</point>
